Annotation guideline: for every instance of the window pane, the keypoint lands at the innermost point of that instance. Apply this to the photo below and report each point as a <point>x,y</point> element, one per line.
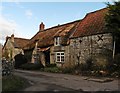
<point>62,53</point>
<point>62,58</point>
<point>58,58</point>
<point>56,42</point>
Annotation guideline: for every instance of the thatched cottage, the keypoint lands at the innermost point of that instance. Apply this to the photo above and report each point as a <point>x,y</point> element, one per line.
<point>68,44</point>
<point>72,43</point>
<point>50,45</point>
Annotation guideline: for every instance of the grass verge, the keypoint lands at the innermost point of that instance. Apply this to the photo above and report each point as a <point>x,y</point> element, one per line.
<point>13,83</point>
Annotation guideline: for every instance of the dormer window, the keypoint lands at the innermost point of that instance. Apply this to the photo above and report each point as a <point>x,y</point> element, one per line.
<point>57,41</point>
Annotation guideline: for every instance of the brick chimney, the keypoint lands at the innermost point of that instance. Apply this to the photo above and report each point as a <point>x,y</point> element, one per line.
<point>41,26</point>
<point>12,38</point>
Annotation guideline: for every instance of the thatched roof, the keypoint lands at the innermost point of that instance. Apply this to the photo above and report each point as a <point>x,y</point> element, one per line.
<point>45,38</point>
<point>18,42</point>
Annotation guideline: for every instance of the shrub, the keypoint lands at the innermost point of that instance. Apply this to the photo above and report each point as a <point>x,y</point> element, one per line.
<point>115,65</point>
<point>86,66</point>
<point>89,63</point>
<point>52,69</point>
<point>114,68</point>
<point>83,67</point>
<point>92,67</point>
<point>31,66</point>
<point>68,70</point>
<point>51,65</point>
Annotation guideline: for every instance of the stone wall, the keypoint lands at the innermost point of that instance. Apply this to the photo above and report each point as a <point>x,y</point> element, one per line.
<point>69,59</point>
<point>52,55</point>
<point>64,49</point>
<point>97,47</point>
<point>42,58</point>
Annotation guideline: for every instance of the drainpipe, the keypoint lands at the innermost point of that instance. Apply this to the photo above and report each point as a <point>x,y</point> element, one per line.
<point>91,54</point>
<point>114,49</point>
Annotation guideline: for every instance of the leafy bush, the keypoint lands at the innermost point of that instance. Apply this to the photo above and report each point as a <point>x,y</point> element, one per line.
<point>83,67</point>
<point>114,68</point>
<point>68,70</point>
<point>51,65</point>
<point>55,69</point>
<point>91,67</point>
<point>31,66</point>
<point>89,64</point>
<point>86,66</point>
<point>52,69</point>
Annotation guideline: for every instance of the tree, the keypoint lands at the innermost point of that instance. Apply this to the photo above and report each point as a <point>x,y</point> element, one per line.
<point>113,22</point>
<point>113,18</point>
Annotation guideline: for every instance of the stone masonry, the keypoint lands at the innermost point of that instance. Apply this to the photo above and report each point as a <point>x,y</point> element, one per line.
<point>96,46</point>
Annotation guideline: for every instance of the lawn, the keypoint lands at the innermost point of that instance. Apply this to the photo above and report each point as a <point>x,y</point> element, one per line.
<point>13,83</point>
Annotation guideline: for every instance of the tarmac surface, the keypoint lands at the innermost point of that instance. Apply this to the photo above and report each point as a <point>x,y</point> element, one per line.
<point>44,81</point>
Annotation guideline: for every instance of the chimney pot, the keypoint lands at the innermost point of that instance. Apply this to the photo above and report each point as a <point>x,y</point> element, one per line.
<point>41,27</point>
<point>12,37</point>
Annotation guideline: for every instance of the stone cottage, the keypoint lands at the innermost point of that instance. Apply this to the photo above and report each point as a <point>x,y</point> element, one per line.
<point>72,43</point>
<point>13,46</point>
<point>91,40</point>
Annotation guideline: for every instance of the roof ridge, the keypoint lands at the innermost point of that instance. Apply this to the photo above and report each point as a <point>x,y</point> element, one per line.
<point>21,38</point>
<point>55,27</point>
<point>97,10</point>
<point>64,24</point>
<point>17,38</point>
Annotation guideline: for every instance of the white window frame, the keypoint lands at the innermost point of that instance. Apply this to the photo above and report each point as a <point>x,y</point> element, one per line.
<point>60,55</point>
<point>57,41</point>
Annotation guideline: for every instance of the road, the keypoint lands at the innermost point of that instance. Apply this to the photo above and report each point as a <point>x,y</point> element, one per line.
<point>44,81</point>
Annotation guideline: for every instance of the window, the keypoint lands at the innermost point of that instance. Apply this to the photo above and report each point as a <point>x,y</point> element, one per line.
<point>57,41</point>
<point>60,57</point>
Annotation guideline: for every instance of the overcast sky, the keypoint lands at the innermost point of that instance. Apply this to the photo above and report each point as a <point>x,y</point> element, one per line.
<point>23,18</point>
